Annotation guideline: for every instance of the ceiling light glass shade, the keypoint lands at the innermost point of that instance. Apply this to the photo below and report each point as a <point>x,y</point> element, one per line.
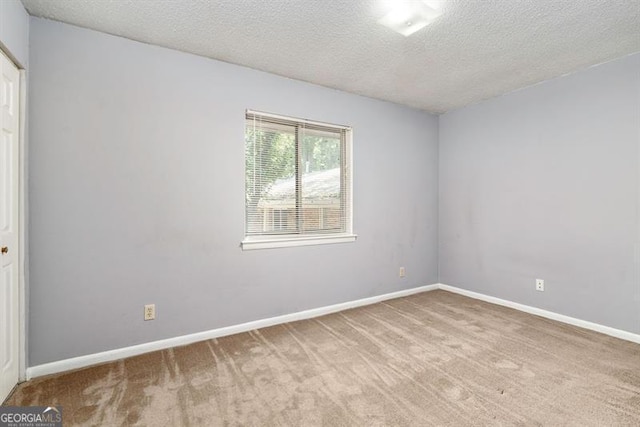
<point>408,16</point>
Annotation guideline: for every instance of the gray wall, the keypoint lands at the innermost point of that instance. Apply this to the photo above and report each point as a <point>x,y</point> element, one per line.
<point>137,196</point>
<point>544,183</point>
<point>14,31</point>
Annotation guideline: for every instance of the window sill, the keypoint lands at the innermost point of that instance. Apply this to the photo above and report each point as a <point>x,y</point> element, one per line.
<point>271,242</point>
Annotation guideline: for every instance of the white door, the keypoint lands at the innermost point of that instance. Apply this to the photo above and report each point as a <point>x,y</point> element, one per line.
<point>9,232</point>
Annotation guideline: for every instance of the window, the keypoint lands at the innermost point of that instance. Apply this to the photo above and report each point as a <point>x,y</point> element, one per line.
<point>297,182</point>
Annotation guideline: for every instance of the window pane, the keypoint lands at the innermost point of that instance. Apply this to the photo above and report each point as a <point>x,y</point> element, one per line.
<point>321,170</point>
<point>297,179</point>
<point>270,191</point>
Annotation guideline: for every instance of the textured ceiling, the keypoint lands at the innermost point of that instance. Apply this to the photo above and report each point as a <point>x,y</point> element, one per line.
<point>475,50</point>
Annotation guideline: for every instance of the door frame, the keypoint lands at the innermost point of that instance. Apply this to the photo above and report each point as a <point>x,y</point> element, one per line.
<point>22,225</point>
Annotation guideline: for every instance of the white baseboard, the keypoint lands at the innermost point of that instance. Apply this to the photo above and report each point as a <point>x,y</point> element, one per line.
<point>121,353</point>
<point>618,333</point>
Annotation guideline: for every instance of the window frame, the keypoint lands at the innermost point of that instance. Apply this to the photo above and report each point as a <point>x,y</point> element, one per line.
<point>268,241</point>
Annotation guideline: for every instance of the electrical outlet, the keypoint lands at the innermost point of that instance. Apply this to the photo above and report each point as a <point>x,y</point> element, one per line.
<point>540,285</point>
<point>401,272</point>
<point>150,312</point>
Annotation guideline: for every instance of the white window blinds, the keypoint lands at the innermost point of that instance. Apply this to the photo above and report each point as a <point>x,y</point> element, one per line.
<point>297,177</point>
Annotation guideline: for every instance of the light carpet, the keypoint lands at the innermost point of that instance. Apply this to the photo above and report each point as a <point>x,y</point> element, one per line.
<point>434,358</point>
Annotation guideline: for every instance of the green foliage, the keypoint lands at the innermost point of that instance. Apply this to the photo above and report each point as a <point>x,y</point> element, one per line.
<point>268,156</point>
<point>320,153</point>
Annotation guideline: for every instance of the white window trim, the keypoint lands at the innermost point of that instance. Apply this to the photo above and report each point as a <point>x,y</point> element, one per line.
<point>271,242</point>
<point>299,120</point>
<point>293,240</point>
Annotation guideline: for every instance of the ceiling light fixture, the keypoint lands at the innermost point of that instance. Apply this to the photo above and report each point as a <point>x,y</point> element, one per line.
<point>408,16</point>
